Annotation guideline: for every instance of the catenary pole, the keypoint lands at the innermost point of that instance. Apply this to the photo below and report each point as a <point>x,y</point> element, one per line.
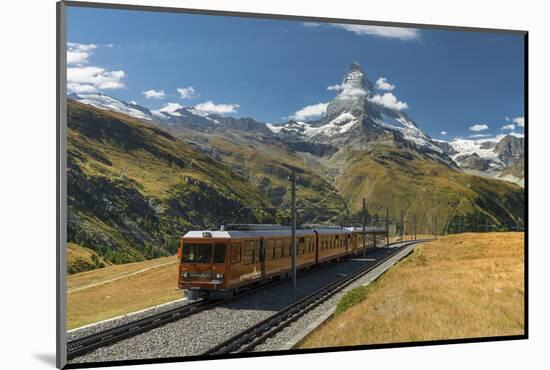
<point>415,226</point>
<point>402,226</point>
<point>387,226</point>
<point>363,228</point>
<point>435,226</point>
<point>293,234</point>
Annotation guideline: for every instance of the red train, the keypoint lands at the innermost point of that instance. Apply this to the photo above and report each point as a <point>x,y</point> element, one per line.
<point>219,263</point>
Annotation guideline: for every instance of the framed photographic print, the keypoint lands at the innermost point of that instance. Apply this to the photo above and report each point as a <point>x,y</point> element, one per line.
<point>234,184</point>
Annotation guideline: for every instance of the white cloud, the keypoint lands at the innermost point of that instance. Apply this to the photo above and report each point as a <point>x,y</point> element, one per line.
<point>443,133</point>
<point>520,121</point>
<point>133,102</point>
<point>80,88</point>
<point>187,92</point>
<point>90,79</point>
<point>383,84</point>
<point>389,100</point>
<point>347,91</point>
<point>381,31</point>
<point>511,126</point>
<point>78,54</point>
<point>82,78</point>
<point>313,25</point>
<point>154,94</point>
<point>311,111</point>
<point>169,108</point>
<point>210,107</point>
<point>479,127</point>
<point>480,135</point>
<point>507,119</point>
<point>334,87</point>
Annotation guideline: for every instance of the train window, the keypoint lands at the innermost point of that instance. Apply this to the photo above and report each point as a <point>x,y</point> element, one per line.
<point>197,253</point>
<point>279,249</point>
<point>269,253</point>
<point>301,248</point>
<point>269,249</point>
<point>287,244</point>
<point>219,253</point>
<point>235,252</point>
<point>248,252</point>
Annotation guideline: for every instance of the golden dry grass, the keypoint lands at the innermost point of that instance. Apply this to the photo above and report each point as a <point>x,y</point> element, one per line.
<point>121,289</point>
<point>460,286</point>
<point>114,271</point>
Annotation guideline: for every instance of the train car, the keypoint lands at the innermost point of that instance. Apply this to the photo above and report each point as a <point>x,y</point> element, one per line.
<point>372,239</point>
<point>218,263</point>
<point>332,244</point>
<point>278,252</point>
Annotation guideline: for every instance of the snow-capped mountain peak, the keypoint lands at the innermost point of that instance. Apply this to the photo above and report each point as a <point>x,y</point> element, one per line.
<point>171,113</point>
<point>500,156</point>
<point>353,115</point>
<point>353,90</point>
<point>106,102</point>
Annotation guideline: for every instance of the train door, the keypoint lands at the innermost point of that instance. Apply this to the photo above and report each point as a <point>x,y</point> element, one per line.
<point>317,243</point>
<point>262,257</point>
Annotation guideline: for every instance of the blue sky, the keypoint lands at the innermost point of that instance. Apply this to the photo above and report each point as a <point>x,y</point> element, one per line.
<point>451,81</point>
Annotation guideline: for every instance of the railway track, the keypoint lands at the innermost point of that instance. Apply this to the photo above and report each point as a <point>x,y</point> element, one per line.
<point>255,335</point>
<point>88,343</point>
<point>109,336</point>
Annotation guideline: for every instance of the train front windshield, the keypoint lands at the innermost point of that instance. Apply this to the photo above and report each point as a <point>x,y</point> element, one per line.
<point>203,253</point>
<point>197,253</point>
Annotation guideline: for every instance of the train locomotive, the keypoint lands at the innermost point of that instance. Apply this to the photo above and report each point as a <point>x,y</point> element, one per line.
<point>218,263</point>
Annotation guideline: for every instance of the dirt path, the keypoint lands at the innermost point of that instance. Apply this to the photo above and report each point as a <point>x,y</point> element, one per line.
<point>119,277</point>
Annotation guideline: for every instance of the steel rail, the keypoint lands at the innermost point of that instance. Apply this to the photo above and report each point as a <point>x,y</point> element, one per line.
<point>250,338</point>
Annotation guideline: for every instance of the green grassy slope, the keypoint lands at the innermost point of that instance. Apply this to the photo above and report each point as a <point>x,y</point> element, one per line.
<point>267,162</point>
<point>134,189</point>
<point>410,182</point>
<point>81,259</point>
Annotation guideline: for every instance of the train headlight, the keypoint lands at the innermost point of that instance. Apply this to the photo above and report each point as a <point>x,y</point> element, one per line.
<point>185,274</point>
<point>219,276</point>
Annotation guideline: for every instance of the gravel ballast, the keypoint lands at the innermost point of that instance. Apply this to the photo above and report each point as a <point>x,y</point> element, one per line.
<point>197,333</point>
